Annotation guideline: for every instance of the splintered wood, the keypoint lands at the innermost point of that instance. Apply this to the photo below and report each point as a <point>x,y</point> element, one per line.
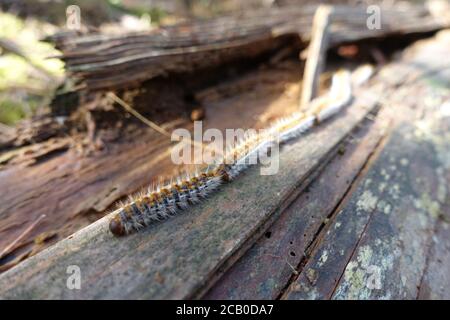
<point>316,54</point>
<point>381,219</point>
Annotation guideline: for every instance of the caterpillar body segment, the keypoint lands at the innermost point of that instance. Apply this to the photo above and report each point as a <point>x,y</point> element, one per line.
<point>163,203</point>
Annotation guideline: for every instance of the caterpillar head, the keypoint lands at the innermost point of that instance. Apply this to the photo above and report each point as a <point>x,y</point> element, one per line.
<point>116,226</point>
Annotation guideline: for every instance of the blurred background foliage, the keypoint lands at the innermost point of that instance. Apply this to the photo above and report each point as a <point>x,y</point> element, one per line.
<point>27,76</point>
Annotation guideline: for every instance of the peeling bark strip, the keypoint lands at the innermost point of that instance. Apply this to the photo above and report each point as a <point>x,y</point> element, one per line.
<point>102,61</point>
<point>177,259</point>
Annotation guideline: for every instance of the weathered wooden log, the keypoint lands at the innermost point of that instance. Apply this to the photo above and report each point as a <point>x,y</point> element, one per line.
<point>180,259</point>
<point>316,54</point>
<point>80,179</point>
<point>185,257</point>
<point>266,269</point>
<point>351,234</point>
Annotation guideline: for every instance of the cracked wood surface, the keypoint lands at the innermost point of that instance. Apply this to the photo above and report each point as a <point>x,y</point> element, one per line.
<point>179,259</point>
<point>392,221</point>
<point>74,189</point>
<point>384,230</point>
<point>118,61</point>
<point>389,239</point>
<point>396,239</point>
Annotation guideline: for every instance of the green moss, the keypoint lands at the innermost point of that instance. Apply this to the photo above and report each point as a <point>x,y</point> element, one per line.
<point>26,83</point>
<point>11,111</point>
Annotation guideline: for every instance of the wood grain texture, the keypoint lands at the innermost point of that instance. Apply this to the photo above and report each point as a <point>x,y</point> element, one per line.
<point>74,187</point>
<point>122,61</point>
<point>378,244</point>
<point>435,282</point>
<point>395,242</point>
<point>264,271</point>
<point>178,259</point>
<point>316,53</point>
<point>330,252</point>
<point>385,226</point>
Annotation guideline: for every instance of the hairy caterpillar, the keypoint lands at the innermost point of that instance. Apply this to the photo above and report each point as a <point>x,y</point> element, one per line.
<point>170,199</point>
